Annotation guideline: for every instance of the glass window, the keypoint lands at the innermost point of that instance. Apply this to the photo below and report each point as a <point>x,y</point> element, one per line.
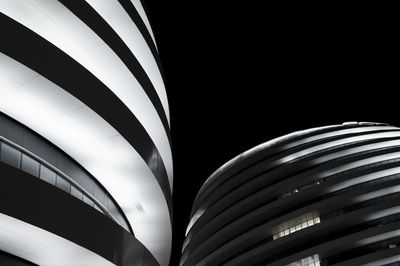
<point>87,200</point>
<point>63,184</point>
<point>76,192</point>
<point>47,175</point>
<point>10,155</point>
<point>30,165</point>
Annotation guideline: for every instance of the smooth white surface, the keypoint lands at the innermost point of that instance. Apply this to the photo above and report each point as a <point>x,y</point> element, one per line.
<point>120,21</point>
<point>61,27</point>
<point>42,247</point>
<point>139,8</point>
<point>66,122</point>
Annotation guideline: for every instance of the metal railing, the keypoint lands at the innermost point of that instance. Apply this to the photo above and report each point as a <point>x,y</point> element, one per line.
<point>58,173</point>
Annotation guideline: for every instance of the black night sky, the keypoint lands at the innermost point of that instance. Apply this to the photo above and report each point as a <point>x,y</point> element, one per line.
<point>241,73</point>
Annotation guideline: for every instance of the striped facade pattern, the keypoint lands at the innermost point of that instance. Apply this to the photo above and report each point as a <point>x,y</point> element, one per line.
<point>86,77</point>
<point>322,196</point>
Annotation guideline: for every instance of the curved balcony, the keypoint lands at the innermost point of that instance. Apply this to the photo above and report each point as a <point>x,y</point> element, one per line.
<point>25,150</point>
<point>17,156</point>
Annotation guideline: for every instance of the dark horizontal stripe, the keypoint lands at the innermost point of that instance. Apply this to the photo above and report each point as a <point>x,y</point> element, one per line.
<point>286,144</point>
<point>12,260</point>
<point>26,198</point>
<point>132,12</point>
<point>203,232</point>
<point>25,137</point>
<point>385,257</point>
<point>250,163</point>
<point>226,217</point>
<point>296,177</point>
<point>275,149</point>
<point>352,226</point>
<point>52,63</point>
<point>267,219</point>
<point>237,228</point>
<point>94,21</point>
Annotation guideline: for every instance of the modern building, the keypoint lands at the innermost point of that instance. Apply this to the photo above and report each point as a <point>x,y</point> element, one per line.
<point>85,150</point>
<point>322,196</point>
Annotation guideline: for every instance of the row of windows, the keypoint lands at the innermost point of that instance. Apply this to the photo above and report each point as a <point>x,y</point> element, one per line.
<point>287,230</point>
<point>20,160</point>
<point>309,261</point>
<point>332,236</point>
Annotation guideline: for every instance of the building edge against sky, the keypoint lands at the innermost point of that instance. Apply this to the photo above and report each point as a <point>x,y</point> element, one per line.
<point>321,196</point>
<point>84,123</point>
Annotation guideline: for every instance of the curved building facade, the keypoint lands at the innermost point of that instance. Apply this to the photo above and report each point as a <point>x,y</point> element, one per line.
<point>322,196</point>
<point>85,149</point>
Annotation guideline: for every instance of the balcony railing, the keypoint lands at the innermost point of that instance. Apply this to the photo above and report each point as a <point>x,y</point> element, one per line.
<point>17,156</point>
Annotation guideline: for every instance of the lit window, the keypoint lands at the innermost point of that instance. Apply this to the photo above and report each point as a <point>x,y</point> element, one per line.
<point>309,261</point>
<point>296,224</point>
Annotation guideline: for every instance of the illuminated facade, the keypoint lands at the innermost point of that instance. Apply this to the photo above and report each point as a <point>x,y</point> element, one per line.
<point>322,196</point>
<point>86,164</point>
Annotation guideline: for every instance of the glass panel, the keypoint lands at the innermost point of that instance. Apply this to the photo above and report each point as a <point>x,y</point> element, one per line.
<point>76,193</point>
<point>30,165</point>
<point>100,195</point>
<point>63,184</point>
<point>10,155</point>
<point>47,175</point>
<point>87,200</point>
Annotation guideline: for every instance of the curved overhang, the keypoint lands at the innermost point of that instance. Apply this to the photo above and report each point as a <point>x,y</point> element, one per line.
<point>59,26</point>
<point>80,132</point>
<point>60,231</point>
